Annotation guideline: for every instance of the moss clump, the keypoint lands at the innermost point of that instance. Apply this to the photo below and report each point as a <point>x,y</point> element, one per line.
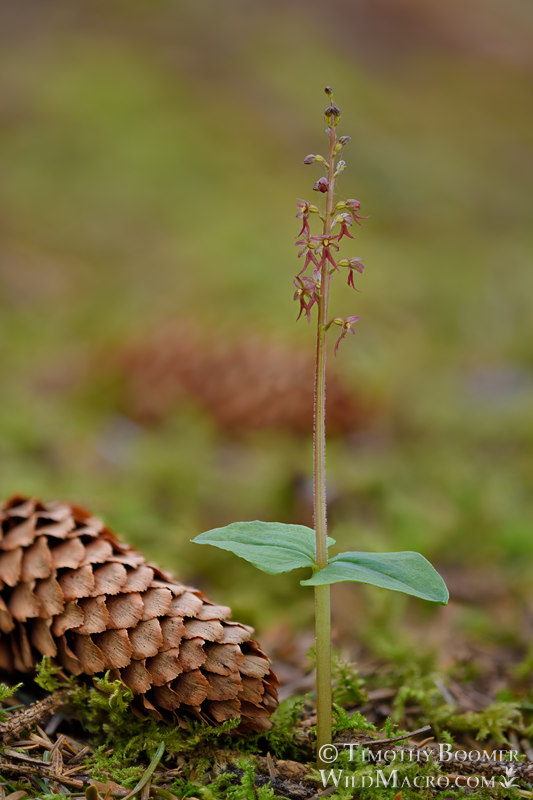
<point>6,692</point>
<point>348,687</point>
<point>492,723</point>
<point>281,737</point>
<point>239,784</point>
<point>50,677</point>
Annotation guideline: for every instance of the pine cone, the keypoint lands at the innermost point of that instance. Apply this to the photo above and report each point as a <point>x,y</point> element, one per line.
<point>72,591</point>
<point>246,385</point>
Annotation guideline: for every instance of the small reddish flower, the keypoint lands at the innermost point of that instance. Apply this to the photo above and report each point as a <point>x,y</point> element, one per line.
<point>307,248</point>
<point>346,326</point>
<point>353,265</point>
<point>321,185</point>
<point>326,243</point>
<point>303,212</point>
<point>345,221</point>
<point>354,206</point>
<point>307,293</point>
<point>304,209</point>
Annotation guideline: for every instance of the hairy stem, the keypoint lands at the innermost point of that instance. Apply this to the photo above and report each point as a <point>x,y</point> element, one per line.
<point>322,593</point>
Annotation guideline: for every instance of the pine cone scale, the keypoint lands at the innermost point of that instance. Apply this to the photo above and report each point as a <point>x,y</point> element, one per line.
<point>41,638</point>
<point>192,654</point>
<point>69,554</point>
<point>137,677</point>
<point>11,567</point>
<point>71,617</point>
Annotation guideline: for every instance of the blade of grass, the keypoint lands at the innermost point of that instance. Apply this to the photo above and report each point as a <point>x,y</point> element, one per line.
<point>148,772</point>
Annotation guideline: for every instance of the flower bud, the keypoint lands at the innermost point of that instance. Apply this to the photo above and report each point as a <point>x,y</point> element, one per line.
<point>314,159</point>
<point>344,140</point>
<point>328,90</point>
<point>341,166</point>
<point>333,112</point>
<point>321,185</point>
<point>332,115</point>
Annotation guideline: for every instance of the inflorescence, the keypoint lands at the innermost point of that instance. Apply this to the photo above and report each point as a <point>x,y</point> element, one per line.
<point>319,252</point>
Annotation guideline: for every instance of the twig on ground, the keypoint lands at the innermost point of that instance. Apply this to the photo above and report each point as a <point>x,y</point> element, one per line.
<point>29,717</point>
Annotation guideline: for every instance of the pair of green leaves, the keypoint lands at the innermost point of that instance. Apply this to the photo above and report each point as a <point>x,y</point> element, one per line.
<point>274,547</point>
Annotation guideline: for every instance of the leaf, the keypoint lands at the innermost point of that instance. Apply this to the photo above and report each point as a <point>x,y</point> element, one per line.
<point>270,546</point>
<point>405,571</point>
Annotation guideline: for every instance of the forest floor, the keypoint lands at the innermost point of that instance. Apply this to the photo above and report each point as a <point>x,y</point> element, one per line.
<point>404,728</point>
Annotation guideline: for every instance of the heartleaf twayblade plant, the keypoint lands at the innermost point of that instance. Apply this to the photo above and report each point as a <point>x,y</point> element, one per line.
<point>274,547</point>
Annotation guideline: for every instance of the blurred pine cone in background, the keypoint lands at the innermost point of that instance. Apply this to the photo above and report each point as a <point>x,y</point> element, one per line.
<point>71,591</point>
<point>243,385</point>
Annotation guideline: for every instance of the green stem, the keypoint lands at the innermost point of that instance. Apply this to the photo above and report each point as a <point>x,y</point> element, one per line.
<point>322,593</point>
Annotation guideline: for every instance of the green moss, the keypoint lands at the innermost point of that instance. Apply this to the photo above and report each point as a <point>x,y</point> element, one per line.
<point>349,721</point>
<point>6,693</point>
<point>280,738</point>
<point>348,687</point>
<point>416,686</point>
<point>49,676</point>
<point>239,784</point>
<point>492,723</point>
<point>105,764</point>
<point>103,708</point>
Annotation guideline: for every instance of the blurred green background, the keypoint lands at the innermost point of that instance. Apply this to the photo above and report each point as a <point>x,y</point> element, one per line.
<point>151,158</point>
